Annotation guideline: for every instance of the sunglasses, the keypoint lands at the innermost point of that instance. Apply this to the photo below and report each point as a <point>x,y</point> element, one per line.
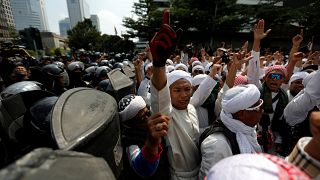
<point>275,76</point>
<point>256,108</point>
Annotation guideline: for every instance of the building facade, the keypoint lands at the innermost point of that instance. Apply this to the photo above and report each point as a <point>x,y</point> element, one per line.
<point>51,40</point>
<point>6,20</point>
<point>78,10</point>
<point>30,13</point>
<point>64,26</point>
<point>95,21</point>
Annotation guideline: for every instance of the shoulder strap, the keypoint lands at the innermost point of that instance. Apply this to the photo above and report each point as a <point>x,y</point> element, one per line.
<point>218,126</point>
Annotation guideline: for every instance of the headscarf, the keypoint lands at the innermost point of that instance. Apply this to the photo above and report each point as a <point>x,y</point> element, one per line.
<point>297,75</point>
<point>194,63</point>
<point>240,80</point>
<point>129,106</point>
<point>276,67</point>
<point>239,98</point>
<point>169,68</point>
<point>255,166</point>
<point>181,65</point>
<point>198,67</point>
<point>198,79</point>
<point>178,74</point>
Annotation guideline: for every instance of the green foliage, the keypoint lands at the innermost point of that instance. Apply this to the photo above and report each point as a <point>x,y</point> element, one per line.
<point>14,34</point>
<point>209,18</point>
<point>84,35</point>
<point>59,51</point>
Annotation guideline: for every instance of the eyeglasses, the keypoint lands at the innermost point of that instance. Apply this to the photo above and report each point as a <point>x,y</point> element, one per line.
<point>275,76</point>
<point>256,108</point>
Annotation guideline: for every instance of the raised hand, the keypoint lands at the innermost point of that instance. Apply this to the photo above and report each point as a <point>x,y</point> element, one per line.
<point>157,128</point>
<point>297,39</point>
<point>164,42</point>
<point>258,30</point>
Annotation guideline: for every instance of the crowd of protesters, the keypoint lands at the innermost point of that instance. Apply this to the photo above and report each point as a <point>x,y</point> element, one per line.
<point>227,115</point>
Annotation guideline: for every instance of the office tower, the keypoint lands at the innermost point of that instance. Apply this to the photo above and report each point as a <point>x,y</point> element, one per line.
<point>64,26</point>
<point>95,21</point>
<point>30,13</point>
<point>6,20</point>
<point>78,10</point>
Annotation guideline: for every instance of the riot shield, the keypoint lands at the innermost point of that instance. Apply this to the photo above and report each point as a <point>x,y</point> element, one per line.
<point>12,111</point>
<point>121,84</point>
<point>52,165</point>
<point>86,120</point>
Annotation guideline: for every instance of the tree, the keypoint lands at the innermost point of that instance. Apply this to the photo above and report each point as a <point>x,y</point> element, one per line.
<point>84,35</point>
<point>14,35</point>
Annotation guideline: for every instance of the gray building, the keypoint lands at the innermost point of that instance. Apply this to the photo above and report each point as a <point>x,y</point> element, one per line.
<point>64,26</point>
<point>95,21</point>
<point>30,13</point>
<point>6,20</point>
<point>78,10</point>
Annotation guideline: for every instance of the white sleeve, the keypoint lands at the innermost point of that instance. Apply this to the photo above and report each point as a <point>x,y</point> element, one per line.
<point>217,107</point>
<point>143,90</point>
<point>213,149</point>
<point>203,92</point>
<point>297,110</point>
<point>160,100</point>
<point>253,69</point>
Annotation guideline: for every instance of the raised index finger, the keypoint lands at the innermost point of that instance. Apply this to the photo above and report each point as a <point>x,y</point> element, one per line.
<point>166,17</point>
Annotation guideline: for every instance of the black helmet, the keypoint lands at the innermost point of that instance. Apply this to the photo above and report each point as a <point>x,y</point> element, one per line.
<point>54,72</point>
<point>75,65</point>
<point>60,64</point>
<point>40,113</point>
<point>118,65</point>
<point>104,63</point>
<point>102,71</point>
<point>19,87</point>
<point>93,64</point>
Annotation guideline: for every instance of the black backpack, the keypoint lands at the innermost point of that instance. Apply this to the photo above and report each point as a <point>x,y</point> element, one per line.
<point>218,126</point>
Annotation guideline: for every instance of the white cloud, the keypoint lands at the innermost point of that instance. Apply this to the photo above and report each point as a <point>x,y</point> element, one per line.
<point>109,20</point>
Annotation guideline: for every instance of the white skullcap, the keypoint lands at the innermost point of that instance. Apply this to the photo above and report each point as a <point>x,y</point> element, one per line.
<point>240,97</point>
<point>254,166</point>
<point>149,65</point>
<point>298,75</point>
<point>198,67</point>
<point>169,61</point>
<point>129,106</point>
<point>208,67</point>
<point>181,65</point>
<point>198,79</point>
<point>178,74</point>
<point>194,63</point>
<point>169,68</point>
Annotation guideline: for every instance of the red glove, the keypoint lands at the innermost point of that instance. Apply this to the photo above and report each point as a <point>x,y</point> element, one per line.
<point>164,42</point>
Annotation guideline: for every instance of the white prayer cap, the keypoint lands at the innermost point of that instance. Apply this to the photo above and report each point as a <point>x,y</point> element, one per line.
<point>169,68</point>
<point>198,67</point>
<point>178,74</point>
<point>198,79</point>
<point>194,63</point>
<point>181,65</point>
<point>129,106</point>
<point>169,61</point>
<point>149,65</point>
<point>298,75</point>
<point>240,97</point>
<point>208,67</point>
<point>255,166</point>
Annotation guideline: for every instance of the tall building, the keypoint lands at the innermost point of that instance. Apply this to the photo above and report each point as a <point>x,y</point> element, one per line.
<point>30,13</point>
<point>78,10</point>
<point>6,20</point>
<point>64,26</point>
<point>95,21</point>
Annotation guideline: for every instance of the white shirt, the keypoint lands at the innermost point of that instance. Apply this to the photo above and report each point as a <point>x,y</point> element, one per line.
<point>144,89</point>
<point>213,149</point>
<point>183,154</point>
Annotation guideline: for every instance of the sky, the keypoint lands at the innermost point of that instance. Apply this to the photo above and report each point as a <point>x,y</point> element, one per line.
<point>110,13</point>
